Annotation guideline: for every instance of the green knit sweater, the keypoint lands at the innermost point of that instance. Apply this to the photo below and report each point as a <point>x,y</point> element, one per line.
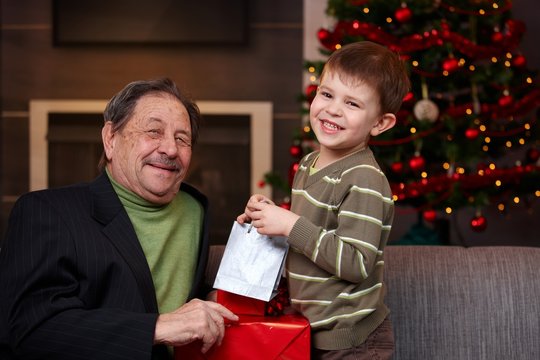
<point>169,236</point>
<point>335,263</point>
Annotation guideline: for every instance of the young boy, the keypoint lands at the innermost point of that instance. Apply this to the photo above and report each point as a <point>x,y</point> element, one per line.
<point>342,208</point>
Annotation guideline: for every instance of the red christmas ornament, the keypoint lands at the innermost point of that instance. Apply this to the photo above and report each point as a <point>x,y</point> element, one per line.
<point>497,37</point>
<point>519,61</point>
<point>280,301</point>
<point>451,64</point>
<point>285,205</point>
<point>445,30</point>
<point>295,150</point>
<point>505,100</point>
<point>417,163</point>
<point>408,98</point>
<point>311,91</point>
<point>429,215</point>
<point>479,223</point>
<point>292,171</point>
<point>324,35</point>
<point>397,167</point>
<point>261,184</point>
<point>403,14</point>
<point>472,133</point>
<point>327,39</point>
<point>533,154</point>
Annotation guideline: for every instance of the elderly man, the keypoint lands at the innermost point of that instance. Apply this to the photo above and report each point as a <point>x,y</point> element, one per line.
<point>114,269</point>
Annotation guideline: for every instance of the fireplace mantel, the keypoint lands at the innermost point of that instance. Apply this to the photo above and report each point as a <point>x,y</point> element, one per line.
<point>260,114</point>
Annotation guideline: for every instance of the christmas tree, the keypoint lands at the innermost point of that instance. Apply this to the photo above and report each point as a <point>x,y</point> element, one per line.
<point>467,132</point>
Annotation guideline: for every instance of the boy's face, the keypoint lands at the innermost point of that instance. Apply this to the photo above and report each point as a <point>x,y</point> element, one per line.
<point>343,116</point>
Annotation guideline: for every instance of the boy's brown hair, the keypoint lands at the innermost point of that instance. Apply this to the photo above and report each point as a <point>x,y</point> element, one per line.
<point>375,65</point>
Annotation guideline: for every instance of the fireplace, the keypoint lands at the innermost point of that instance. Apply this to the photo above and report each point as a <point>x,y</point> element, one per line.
<point>232,155</point>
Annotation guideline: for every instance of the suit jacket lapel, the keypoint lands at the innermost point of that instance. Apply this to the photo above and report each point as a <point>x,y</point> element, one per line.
<point>199,288</point>
<point>108,210</point>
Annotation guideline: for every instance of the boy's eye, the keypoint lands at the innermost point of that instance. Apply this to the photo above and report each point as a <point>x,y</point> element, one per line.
<point>326,94</point>
<point>351,103</point>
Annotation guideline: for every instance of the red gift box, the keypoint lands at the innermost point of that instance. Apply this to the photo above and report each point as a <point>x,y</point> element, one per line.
<point>241,305</point>
<point>283,337</point>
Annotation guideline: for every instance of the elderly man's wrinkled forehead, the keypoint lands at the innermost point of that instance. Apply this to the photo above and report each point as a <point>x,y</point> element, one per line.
<point>132,108</point>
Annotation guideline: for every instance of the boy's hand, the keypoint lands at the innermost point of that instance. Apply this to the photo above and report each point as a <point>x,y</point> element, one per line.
<point>268,218</point>
<point>244,218</point>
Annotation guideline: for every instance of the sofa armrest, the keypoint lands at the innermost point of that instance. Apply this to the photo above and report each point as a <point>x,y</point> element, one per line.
<point>450,302</point>
<point>214,259</point>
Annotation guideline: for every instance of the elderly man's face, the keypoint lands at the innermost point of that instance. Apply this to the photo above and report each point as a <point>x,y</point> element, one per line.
<point>151,154</point>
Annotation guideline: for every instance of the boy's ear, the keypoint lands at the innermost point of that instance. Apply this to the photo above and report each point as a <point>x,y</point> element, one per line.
<point>387,121</point>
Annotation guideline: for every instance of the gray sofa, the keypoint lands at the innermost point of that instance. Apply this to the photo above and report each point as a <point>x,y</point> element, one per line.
<point>455,303</point>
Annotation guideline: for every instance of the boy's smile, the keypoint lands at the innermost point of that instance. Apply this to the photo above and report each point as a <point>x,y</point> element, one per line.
<point>330,126</point>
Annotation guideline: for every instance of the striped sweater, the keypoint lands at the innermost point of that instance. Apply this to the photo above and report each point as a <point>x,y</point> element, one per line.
<point>335,262</point>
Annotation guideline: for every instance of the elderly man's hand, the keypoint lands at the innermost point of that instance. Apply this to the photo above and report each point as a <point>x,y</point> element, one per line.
<point>196,320</point>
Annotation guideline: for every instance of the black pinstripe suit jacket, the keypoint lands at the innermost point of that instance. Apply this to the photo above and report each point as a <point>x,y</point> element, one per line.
<point>74,281</point>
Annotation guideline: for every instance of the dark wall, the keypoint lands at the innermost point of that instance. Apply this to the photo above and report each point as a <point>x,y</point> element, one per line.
<point>267,68</point>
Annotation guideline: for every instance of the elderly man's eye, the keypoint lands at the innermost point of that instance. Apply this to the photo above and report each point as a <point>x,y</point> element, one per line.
<point>183,141</point>
<point>153,133</point>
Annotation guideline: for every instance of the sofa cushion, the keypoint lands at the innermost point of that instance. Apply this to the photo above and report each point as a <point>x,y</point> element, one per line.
<point>453,303</point>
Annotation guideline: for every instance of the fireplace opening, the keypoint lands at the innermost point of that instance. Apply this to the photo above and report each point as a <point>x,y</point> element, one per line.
<point>74,148</point>
<point>220,168</point>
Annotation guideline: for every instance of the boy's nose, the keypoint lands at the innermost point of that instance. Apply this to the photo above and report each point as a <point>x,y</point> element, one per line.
<point>333,108</point>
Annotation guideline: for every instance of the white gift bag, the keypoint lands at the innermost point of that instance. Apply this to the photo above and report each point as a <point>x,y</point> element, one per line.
<point>252,263</point>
